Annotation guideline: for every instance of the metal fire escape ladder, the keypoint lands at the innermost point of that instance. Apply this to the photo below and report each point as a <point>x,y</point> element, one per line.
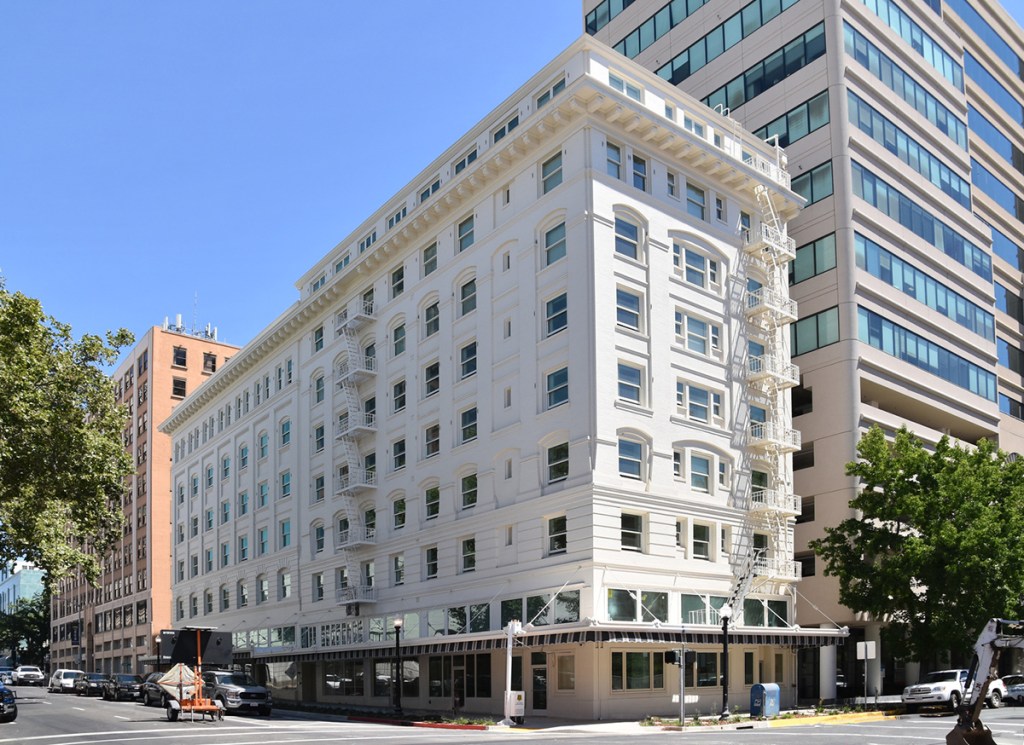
<point>771,506</point>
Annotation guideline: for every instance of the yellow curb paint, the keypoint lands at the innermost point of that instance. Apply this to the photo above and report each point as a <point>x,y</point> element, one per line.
<point>832,719</point>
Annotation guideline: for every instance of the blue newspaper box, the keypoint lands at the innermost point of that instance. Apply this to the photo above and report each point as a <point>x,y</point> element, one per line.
<point>764,700</point>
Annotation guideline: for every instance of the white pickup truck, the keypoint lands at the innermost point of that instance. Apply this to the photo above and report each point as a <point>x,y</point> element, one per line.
<point>946,688</point>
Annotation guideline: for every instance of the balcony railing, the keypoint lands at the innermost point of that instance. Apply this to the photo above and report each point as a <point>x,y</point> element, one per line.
<point>782,569</point>
<point>356,594</point>
<point>357,368</point>
<point>764,300</point>
<point>770,239</point>
<point>768,500</point>
<point>769,434</point>
<point>359,423</point>
<point>355,318</point>
<point>357,535</point>
<point>773,366</point>
<point>357,479</point>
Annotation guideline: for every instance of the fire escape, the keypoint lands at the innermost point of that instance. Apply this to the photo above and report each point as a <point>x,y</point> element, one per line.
<point>354,476</point>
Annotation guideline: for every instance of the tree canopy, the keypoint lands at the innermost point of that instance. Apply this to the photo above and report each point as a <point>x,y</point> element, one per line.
<point>937,547</point>
<point>25,629</point>
<point>62,460</point>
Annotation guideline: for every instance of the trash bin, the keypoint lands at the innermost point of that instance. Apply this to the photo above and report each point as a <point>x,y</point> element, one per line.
<point>764,700</point>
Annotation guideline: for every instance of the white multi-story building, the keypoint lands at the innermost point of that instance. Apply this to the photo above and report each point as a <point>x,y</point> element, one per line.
<point>545,382</point>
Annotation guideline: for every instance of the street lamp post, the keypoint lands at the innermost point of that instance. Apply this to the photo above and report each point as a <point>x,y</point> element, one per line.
<point>398,666</point>
<point>725,613</point>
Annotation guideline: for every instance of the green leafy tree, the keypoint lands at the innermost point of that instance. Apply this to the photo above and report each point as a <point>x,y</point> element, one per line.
<point>25,630</point>
<point>937,546</point>
<point>62,462</point>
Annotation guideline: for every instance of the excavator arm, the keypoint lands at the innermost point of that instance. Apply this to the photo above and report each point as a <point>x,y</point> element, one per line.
<point>998,634</point>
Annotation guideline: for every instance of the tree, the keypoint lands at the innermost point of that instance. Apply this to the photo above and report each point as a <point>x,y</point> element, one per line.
<point>937,546</point>
<point>62,461</point>
<point>25,630</point>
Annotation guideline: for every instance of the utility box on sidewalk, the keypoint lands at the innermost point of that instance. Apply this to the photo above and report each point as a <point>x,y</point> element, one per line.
<point>765,700</point>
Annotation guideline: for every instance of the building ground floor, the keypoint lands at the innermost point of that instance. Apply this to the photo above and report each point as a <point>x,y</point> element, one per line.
<point>592,673</point>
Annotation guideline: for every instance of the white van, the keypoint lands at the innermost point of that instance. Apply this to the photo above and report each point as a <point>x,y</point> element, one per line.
<point>63,681</point>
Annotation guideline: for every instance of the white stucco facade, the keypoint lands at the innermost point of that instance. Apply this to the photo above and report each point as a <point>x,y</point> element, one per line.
<point>550,388</point>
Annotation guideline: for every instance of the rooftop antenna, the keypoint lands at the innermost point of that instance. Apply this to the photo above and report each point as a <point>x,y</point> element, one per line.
<point>195,312</point>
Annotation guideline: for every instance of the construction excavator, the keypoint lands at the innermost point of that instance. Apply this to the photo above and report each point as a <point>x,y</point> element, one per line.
<point>998,634</point>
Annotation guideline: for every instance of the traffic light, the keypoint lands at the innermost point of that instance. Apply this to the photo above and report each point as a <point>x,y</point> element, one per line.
<point>672,657</point>
<point>691,656</point>
<point>680,657</point>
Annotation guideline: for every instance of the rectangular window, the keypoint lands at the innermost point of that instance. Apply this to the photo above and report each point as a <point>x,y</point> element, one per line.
<point>624,86</point>
<point>180,357</point>
<point>549,93</point>
<point>557,535</point>
<point>467,297</point>
<point>556,314</point>
<point>627,239</point>
<point>630,458</point>
<point>505,129</point>
<point>558,462</point>
<point>318,438</point>
<point>286,484</point>
<point>430,562</point>
<point>285,533</point>
<point>398,513</point>
<point>429,189</point>
<point>286,433</point>
<point>814,332</point>
<point>318,338</point>
<point>700,473</point>
<point>812,259</point>
<point>613,161</point>
<point>466,233</point>
<point>632,532</point>
<point>629,382</point>
<point>432,502</point>
<point>432,440</point>
<point>468,488</point>
<point>431,379</point>
<point>696,201</point>
<point>429,259</point>
<point>554,244</point>
<point>551,173</point>
<point>468,555</point>
<point>432,319</point>
<point>178,387</point>
<point>815,184</point>
<point>640,173</point>
<point>468,425</point>
<point>557,387</point>
<point>467,360</point>
<point>398,395</point>
<point>627,309</point>
<point>701,337</point>
<point>465,160</point>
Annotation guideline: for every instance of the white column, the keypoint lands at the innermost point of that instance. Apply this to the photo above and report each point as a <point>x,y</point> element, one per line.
<point>827,672</point>
<point>873,632</point>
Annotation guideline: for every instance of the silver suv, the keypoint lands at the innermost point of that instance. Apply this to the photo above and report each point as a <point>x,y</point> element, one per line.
<point>946,688</point>
<point>237,691</point>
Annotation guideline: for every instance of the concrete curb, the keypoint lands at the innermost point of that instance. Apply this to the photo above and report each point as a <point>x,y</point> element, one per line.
<point>797,721</point>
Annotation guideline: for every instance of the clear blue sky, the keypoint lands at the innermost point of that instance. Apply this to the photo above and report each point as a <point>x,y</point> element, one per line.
<point>156,151</point>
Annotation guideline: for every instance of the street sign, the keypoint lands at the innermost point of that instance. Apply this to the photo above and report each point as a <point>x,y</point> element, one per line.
<point>866,651</point>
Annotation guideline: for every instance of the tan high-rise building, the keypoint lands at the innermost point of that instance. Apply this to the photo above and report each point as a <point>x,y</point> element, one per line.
<point>111,627</point>
<point>902,122</point>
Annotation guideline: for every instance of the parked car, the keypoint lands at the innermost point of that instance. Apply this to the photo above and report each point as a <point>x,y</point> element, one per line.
<point>1014,688</point>
<point>152,693</point>
<point>7,675</point>
<point>237,691</point>
<point>28,675</point>
<point>8,704</point>
<point>88,684</point>
<point>122,686</point>
<point>63,680</point>
<point>946,688</point>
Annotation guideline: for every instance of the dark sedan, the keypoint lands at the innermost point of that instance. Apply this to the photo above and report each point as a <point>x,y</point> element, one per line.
<point>88,684</point>
<point>122,686</point>
<point>8,704</point>
<point>152,693</point>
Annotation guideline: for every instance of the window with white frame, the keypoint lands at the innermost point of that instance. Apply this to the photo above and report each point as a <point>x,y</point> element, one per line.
<point>467,360</point>
<point>397,217</point>
<point>701,337</point>
<point>632,532</point>
<point>318,338</point>
<point>398,569</point>
<point>556,387</point>
<point>397,281</point>
<point>556,314</point>
<point>429,189</point>
<point>398,455</point>
<point>554,244</point>
<point>505,129</point>
<point>318,587</point>
<point>431,319</point>
<point>627,238</point>
<point>700,473</point>
<point>319,538</point>
<point>466,233</point>
<point>696,268</point>
<point>627,309</point>
<point>398,513</point>
<point>465,160</point>
<point>613,160</point>
<point>550,92</point>
<point>468,425</point>
<point>696,201</point>
<point>430,562</point>
<point>318,438</point>
<point>632,90</point>
<point>557,535</point>
<point>367,241</point>
<point>430,259</point>
<point>672,184</point>
<point>631,454</point>
<point>432,440</point>
<point>698,404</point>
<point>701,538</point>
<point>558,462</point>
<point>319,391</point>
<point>639,173</point>
<point>467,297</point>
<point>468,490</point>
<point>398,339</point>
<point>630,383</point>
<point>286,433</point>
<point>551,173</point>
<point>432,502</point>
<point>468,552</point>
<point>431,379</point>
<point>398,396</point>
